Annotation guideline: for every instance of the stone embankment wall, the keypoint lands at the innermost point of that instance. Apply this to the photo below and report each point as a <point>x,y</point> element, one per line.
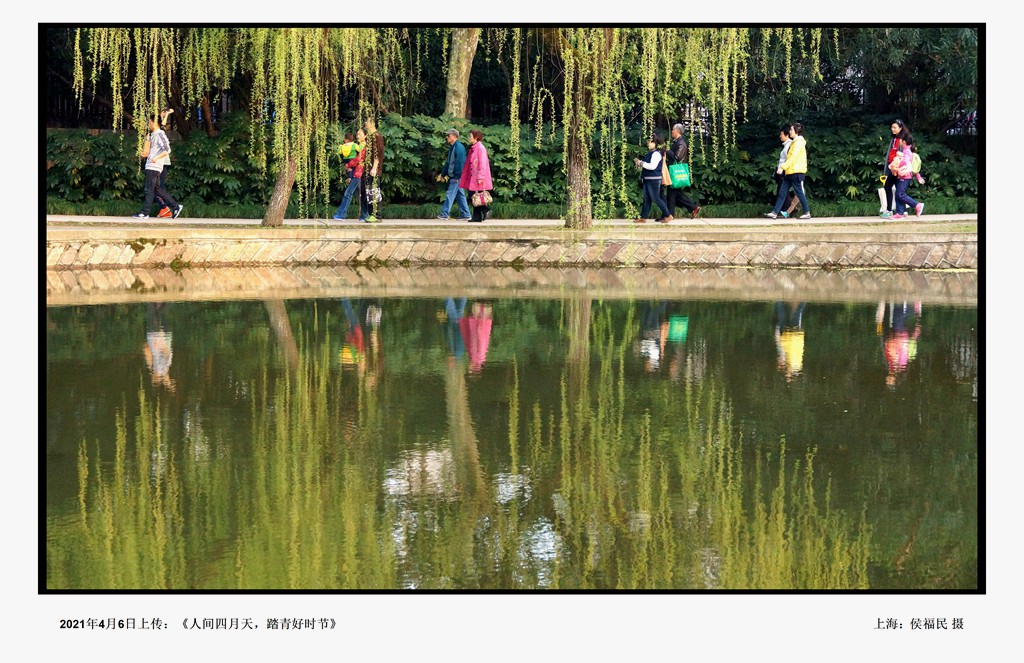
<point>84,248</point>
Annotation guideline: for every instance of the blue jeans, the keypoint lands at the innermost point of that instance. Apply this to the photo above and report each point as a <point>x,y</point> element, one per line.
<point>903,199</point>
<point>652,194</point>
<point>350,191</point>
<point>455,193</point>
<point>796,181</point>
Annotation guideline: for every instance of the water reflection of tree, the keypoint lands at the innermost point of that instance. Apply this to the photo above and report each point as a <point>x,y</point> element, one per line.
<point>609,486</point>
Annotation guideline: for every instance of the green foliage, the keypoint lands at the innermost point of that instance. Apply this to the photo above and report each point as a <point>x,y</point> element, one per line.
<point>218,178</point>
<point>105,167</point>
<point>88,167</point>
<point>844,164</point>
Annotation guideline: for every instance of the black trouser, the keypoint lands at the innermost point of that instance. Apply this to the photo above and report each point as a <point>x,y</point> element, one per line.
<point>674,195</point>
<point>480,212</point>
<point>890,186</point>
<point>155,188</point>
<point>652,195</point>
<point>369,201</point>
<point>163,183</point>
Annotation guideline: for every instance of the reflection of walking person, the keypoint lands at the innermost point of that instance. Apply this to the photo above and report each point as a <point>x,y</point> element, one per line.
<point>157,350</point>
<point>789,338</point>
<point>899,345</point>
<point>476,334</point>
<point>454,309</point>
<point>653,334</point>
<point>353,349</point>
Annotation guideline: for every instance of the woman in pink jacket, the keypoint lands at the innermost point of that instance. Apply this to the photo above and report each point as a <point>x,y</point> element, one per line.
<point>476,174</point>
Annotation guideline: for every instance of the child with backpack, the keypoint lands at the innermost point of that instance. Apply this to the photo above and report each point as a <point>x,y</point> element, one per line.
<point>903,165</point>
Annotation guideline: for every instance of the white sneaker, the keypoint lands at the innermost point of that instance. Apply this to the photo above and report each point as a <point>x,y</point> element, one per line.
<point>771,215</point>
<point>805,215</point>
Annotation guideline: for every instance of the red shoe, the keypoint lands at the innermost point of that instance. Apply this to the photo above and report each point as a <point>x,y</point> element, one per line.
<point>165,213</point>
<point>695,212</point>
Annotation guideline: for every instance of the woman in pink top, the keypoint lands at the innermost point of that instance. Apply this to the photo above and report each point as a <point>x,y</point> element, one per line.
<point>476,174</point>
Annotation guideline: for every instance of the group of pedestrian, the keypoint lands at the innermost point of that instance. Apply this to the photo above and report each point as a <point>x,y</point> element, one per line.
<point>791,170</point>
<point>653,167</point>
<point>362,156</point>
<point>466,170</point>
<point>467,173</point>
<point>463,170</point>
<point>897,173</point>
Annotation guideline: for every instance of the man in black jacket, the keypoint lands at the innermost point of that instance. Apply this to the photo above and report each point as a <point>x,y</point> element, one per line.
<point>679,153</point>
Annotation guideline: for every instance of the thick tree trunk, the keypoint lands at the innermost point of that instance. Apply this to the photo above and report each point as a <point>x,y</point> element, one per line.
<point>460,64</point>
<point>577,318</point>
<point>465,448</point>
<point>282,194</point>
<point>580,212</point>
<point>211,131</point>
<point>282,328</point>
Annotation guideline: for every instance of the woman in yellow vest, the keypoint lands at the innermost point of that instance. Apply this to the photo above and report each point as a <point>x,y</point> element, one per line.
<point>794,168</point>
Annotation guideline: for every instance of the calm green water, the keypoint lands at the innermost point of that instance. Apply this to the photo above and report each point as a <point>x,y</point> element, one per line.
<point>511,444</point>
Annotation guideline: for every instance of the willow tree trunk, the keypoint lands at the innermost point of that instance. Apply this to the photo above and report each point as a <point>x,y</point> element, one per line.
<point>282,328</point>
<point>577,319</point>
<point>460,64</point>
<point>282,194</point>
<point>211,130</point>
<point>580,212</point>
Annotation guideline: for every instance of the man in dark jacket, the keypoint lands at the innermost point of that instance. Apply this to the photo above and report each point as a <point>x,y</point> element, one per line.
<point>679,153</point>
<point>450,173</point>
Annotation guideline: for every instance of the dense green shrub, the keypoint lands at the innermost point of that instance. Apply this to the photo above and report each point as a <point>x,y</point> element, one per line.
<point>215,175</point>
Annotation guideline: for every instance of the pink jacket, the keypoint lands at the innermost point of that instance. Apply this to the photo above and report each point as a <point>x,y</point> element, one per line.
<point>476,335</point>
<point>904,171</point>
<point>478,167</point>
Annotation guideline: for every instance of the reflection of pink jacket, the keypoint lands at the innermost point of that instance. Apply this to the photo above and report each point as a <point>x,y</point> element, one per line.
<point>476,334</point>
<point>478,166</point>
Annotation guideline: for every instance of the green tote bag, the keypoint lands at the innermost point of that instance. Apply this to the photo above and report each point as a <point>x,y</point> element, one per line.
<point>680,174</point>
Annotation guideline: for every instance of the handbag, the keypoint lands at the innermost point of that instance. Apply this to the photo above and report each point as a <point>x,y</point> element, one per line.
<point>482,198</point>
<point>666,179</point>
<point>680,173</point>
